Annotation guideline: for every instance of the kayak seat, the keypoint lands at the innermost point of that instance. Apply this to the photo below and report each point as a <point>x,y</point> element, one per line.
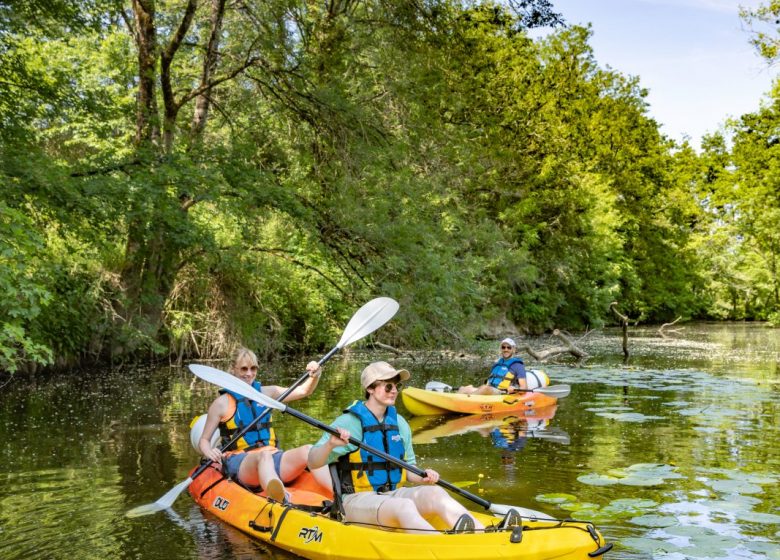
<point>337,509</point>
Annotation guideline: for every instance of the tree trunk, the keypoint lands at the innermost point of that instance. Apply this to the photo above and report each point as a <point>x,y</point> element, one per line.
<point>203,101</point>
<point>147,128</point>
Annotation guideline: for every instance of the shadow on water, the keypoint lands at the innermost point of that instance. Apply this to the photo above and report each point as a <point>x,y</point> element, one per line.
<point>674,456</point>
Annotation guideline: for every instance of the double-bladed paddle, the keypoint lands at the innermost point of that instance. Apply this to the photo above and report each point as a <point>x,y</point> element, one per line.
<point>366,320</point>
<point>228,381</point>
<point>557,391</point>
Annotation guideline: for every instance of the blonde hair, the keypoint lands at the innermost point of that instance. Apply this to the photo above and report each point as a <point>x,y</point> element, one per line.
<point>241,353</point>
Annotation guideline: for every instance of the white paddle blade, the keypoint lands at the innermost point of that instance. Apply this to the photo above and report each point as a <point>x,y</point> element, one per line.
<point>557,391</point>
<point>502,509</point>
<point>367,319</point>
<point>163,503</point>
<point>233,383</point>
<point>437,386</point>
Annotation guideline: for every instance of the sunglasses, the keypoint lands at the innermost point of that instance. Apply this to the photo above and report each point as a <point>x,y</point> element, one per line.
<point>250,368</point>
<point>390,386</point>
<point>504,347</point>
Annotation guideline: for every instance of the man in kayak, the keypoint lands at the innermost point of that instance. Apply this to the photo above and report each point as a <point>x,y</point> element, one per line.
<point>506,376</point>
<point>254,460</point>
<point>372,490</point>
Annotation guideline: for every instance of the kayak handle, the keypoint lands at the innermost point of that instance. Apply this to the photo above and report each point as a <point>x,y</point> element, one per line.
<point>601,551</point>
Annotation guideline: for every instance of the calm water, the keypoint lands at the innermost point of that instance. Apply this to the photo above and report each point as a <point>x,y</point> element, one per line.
<point>673,456</point>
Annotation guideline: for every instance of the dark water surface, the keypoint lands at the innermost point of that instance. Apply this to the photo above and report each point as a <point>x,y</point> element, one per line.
<point>674,456</point>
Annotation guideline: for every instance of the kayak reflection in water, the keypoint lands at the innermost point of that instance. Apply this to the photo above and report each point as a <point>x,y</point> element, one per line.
<point>512,435</point>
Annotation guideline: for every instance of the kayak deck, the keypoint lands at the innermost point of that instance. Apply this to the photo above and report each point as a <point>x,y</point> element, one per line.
<point>421,402</point>
<point>317,535</point>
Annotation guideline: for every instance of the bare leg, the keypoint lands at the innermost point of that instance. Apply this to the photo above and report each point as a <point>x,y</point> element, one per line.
<point>294,462</point>
<point>433,500</point>
<point>249,471</point>
<point>402,513</point>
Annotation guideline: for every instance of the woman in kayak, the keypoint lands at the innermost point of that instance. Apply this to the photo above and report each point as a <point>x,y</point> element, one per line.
<point>506,376</point>
<point>373,490</point>
<point>254,460</point>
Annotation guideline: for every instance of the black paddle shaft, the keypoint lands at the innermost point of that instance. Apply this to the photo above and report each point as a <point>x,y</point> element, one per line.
<point>389,458</point>
<point>265,413</point>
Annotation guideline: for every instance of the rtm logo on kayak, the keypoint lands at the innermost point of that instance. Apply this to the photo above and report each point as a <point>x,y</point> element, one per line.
<point>310,535</point>
<point>221,503</point>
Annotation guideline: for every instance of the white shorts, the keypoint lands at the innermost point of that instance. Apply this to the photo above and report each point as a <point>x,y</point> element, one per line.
<point>363,507</point>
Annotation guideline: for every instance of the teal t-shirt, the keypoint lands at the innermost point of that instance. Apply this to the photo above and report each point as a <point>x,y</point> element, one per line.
<point>351,423</point>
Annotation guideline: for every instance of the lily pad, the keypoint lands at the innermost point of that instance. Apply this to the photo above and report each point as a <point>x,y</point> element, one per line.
<point>668,471</point>
<point>771,550</point>
<point>638,480</point>
<point>755,478</point>
<point>758,517</point>
<point>556,498</point>
<point>734,486</point>
<point>734,503</point>
<point>628,416</point>
<point>653,520</point>
<point>710,543</point>
<point>624,507</point>
<point>592,515</point>
<point>576,507</point>
<point>649,546</point>
<point>595,479</point>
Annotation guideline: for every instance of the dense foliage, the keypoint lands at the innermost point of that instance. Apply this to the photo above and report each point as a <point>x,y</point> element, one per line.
<point>180,175</point>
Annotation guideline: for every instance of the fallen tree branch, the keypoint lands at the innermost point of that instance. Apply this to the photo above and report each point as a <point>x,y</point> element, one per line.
<point>664,333</point>
<point>624,320</point>
<point>569,348</point>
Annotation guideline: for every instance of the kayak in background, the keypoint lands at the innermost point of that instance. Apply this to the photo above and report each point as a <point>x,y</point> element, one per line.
<point>425,402</point>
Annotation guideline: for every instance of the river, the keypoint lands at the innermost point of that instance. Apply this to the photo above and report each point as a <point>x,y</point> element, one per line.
<point>674,455</point>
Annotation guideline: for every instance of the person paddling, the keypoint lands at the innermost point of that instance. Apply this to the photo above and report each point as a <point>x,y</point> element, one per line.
<point>507,375</point>
<point>254,460</point>
<point>373,491</point>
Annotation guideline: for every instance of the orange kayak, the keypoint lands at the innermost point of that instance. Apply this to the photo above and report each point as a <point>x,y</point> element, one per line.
<point>303,528</point>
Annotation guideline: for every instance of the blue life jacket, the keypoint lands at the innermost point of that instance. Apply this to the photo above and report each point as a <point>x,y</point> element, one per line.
<point>501,377</point>
<point>360,471</point>
<point>260,435</point>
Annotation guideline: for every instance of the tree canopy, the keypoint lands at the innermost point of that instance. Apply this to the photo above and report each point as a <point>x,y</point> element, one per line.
<point>182,175</point>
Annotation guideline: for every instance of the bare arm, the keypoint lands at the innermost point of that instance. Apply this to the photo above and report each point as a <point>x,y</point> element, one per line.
<point>318,455</point>
<point>431,477</point>
<point>306,388</point>
<point>216,412</point>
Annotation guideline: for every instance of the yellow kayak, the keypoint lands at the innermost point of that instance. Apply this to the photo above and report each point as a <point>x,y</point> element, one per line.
<point>304,529</point>
<point>421,402</point>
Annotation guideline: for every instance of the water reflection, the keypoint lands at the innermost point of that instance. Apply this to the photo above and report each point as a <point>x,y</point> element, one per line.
<point>507,431</point>
<point>674,457</point>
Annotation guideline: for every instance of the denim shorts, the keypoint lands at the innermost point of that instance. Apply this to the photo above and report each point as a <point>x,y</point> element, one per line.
<point>233,463</point>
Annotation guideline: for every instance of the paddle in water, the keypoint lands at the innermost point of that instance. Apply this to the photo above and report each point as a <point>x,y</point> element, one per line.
<point>366,320</point>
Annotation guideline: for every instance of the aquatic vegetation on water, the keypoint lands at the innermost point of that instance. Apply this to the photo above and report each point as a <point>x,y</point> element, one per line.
<point>640,474</point>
